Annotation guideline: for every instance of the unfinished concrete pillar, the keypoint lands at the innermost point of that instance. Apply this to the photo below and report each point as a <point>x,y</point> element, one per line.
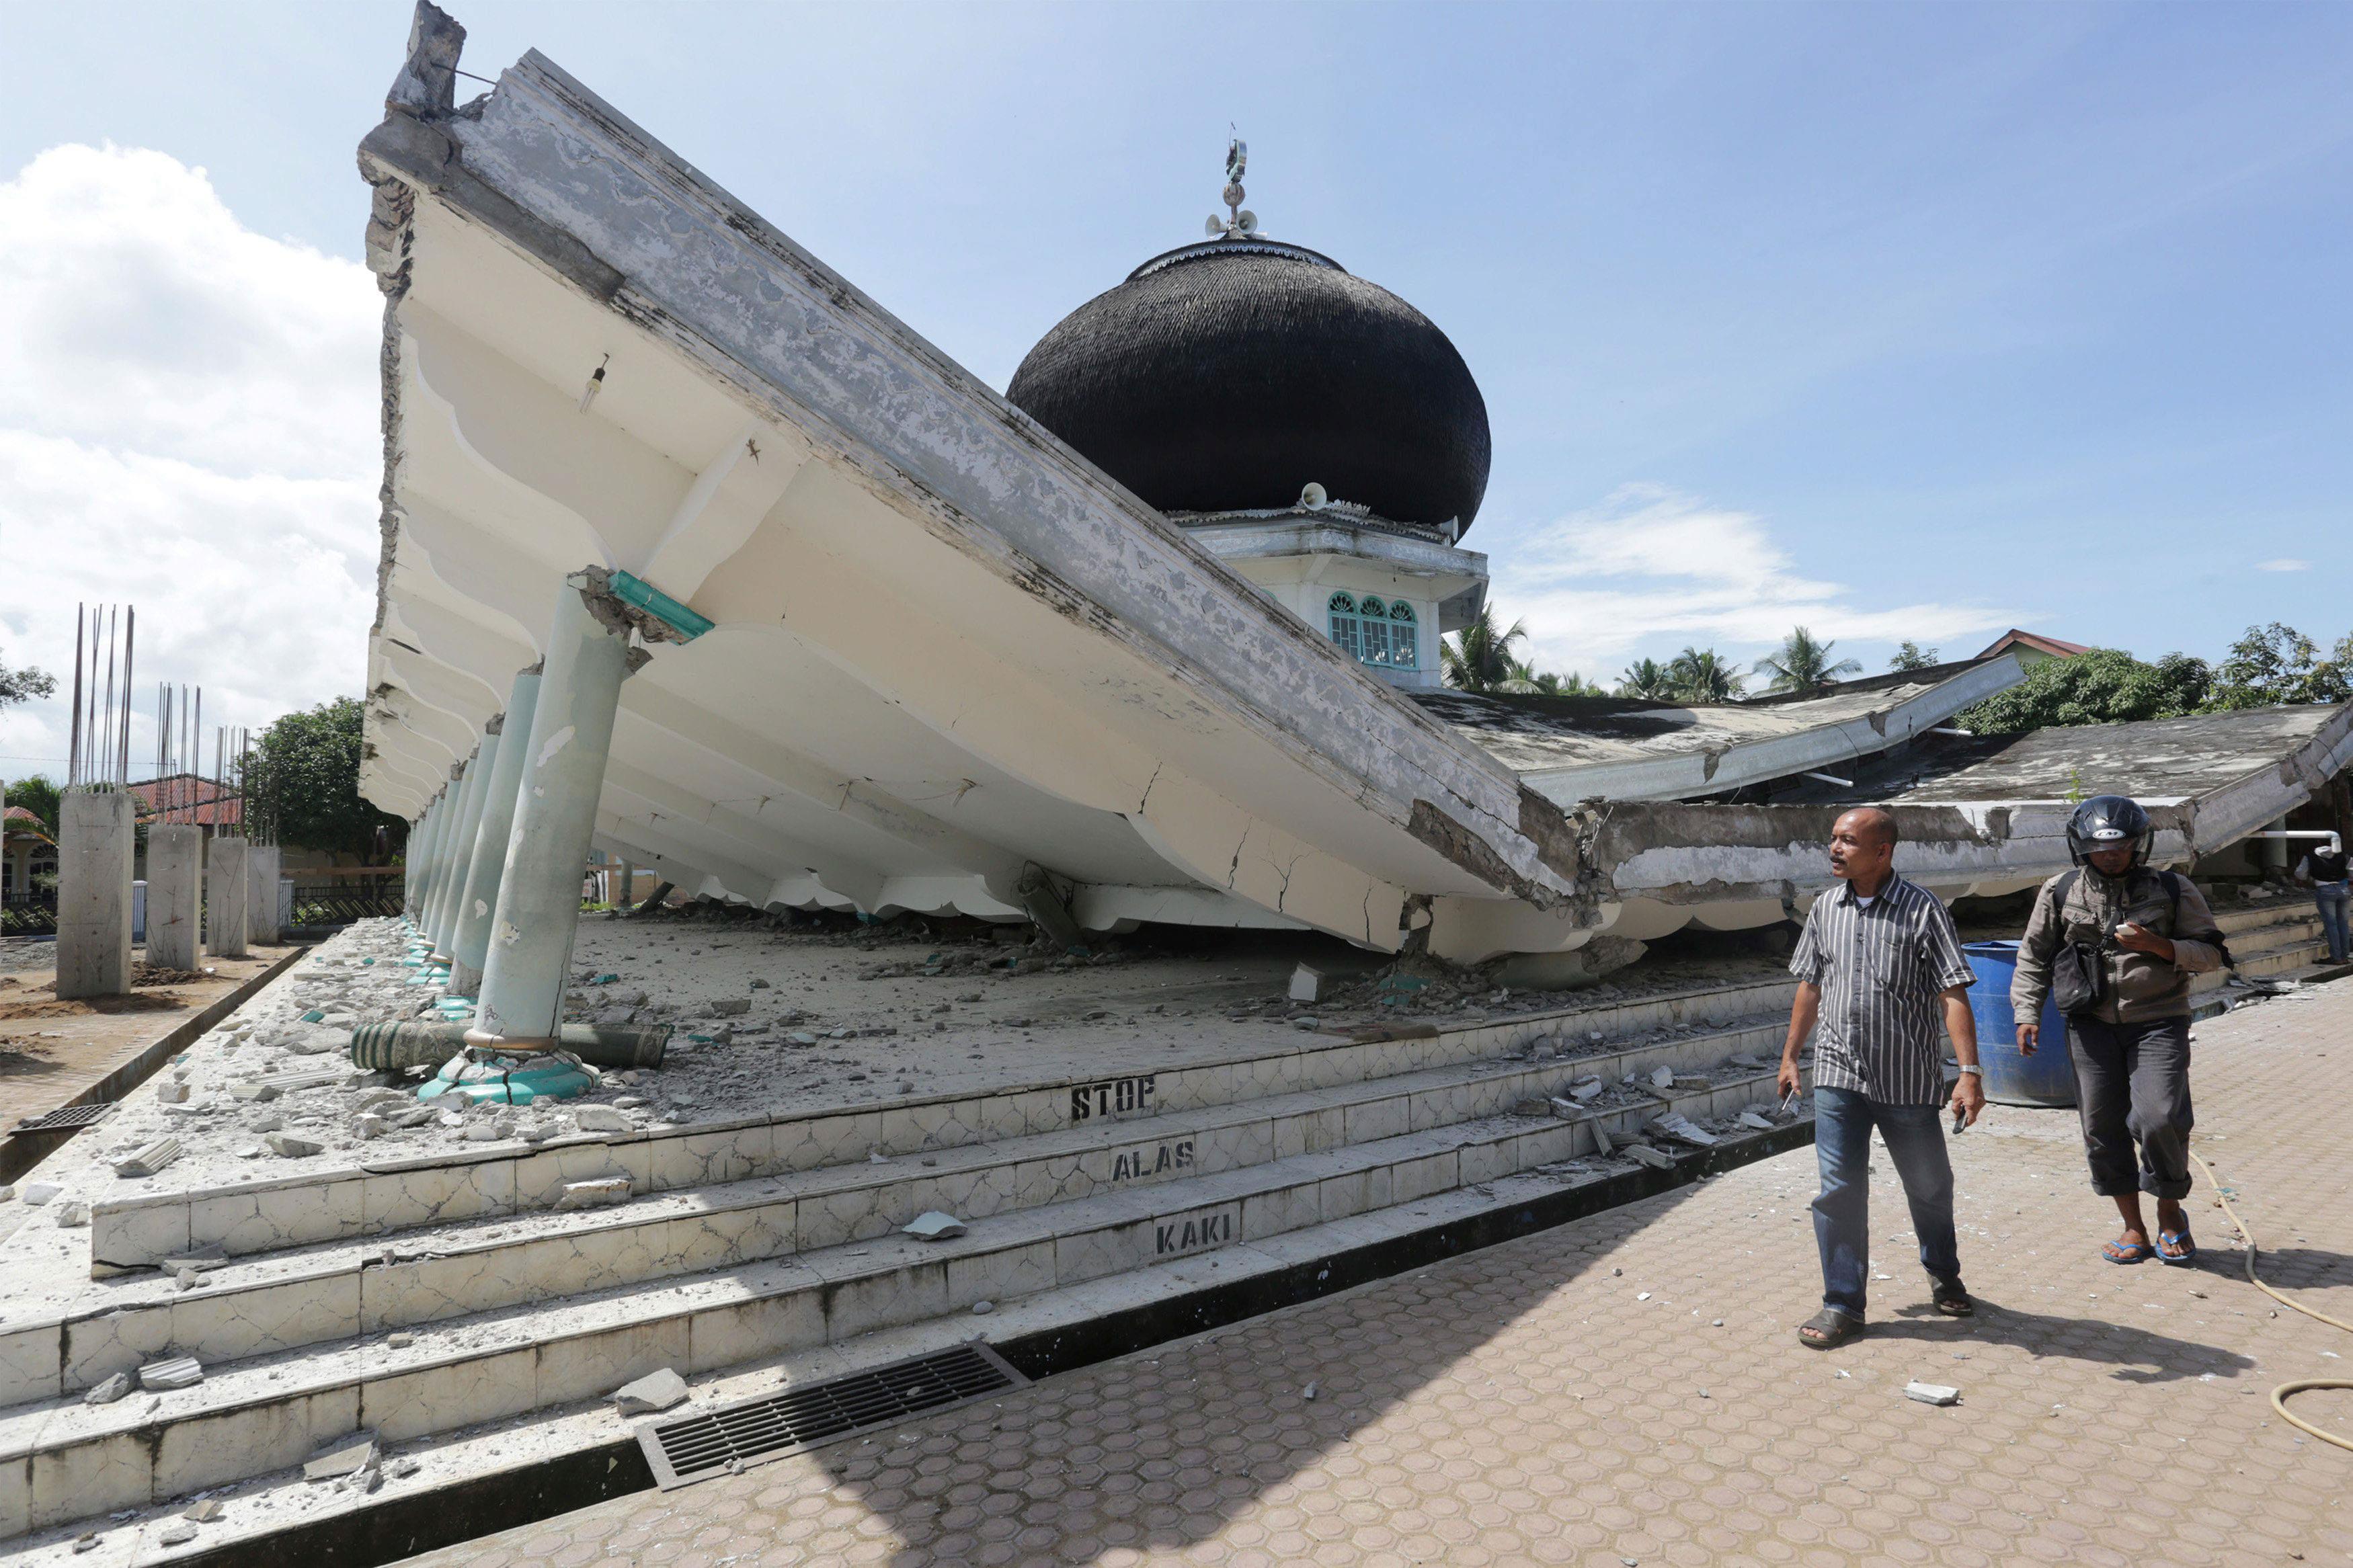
<point>466,820</point>
<point>262,893</point>
<point>96,838</point>
<point>227,925</point>
<point>627,884</point>
<point>521,998</point>
<point>175,893</point>
<point>479,900</point>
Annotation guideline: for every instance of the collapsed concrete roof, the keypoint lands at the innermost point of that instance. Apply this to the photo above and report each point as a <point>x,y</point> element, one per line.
<point>949,665</point>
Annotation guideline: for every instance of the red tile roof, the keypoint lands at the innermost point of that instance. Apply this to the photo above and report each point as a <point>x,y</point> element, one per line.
<point>184,797</point>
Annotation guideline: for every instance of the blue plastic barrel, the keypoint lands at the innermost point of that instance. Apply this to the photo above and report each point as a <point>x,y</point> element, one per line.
<point>2046,1078</point>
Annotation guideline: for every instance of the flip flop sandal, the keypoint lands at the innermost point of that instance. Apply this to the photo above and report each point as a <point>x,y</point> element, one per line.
<point>2179,1238</point>
<point>1952,1302</point>
<point>1832,1330</point>
<point>2122,1251</point>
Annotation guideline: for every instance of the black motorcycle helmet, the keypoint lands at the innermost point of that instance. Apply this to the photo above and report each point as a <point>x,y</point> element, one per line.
<point>2105,821</point>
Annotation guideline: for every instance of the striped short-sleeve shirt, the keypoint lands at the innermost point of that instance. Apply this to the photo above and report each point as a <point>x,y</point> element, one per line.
<point>1881,968</point>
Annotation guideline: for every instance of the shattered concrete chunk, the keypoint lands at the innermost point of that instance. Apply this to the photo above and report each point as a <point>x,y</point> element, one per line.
<point>1306,985</point>
<point>933,1225</point>
<point>174,1093</point>
<point>203,1510</point>
<point>107,1392</point>
<point>149,1159</point>
<point>179,1372</point>
<point>73,1214</point>
<point>731,1006</point>
<point>1657,1159</point>
<point>38,1192</point>
<point>595,1193</point>
<point>256,1091</point>
<point>178,1534</point>
<point>1662,1078</point>
<point>654,1392</point>
<point>1932,1394</point>
<point>343,1457</point>
<point>1751,1118</point>
<point>600,1119</point>
<point>287,1146</point>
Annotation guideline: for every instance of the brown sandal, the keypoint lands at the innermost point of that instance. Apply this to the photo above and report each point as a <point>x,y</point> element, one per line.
<point>1828,1330</point>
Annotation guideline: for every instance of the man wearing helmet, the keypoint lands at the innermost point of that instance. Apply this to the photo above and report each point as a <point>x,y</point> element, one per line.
<point>2118,942</point>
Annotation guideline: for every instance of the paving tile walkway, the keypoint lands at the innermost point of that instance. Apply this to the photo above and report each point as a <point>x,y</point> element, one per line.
<point>1627,1390</point>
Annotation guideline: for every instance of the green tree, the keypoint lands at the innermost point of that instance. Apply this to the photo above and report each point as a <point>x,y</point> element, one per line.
<point>1802,663</point>
<point>1649,679</point>
<point>1527,680</point>
<point>304,782</point>
<point>1480,657</point>
<point>2275,666</point>
<point>39,796</point>
<point>2106,686</point>
<point>1910,654</point>
<point>1701,675</point>
<point>18,685</point>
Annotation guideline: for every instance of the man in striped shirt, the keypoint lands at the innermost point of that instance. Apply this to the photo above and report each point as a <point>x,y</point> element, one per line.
<point>1878,961</point>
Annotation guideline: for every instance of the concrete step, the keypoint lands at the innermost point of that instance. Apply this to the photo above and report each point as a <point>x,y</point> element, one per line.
<point>286,1299</point>
<point>248,1217</point>
<point>63,1460</point>
<point>451,1486</point>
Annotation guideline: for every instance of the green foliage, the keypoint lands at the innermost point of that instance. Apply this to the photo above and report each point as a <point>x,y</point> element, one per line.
<point>2106,686</point>
<point>1648,680</point>
<point>305,781</point>
<point>2275,666</point>
<point>39,796</point>
<point>1527,680</point>
<point>1910,654</point>
<point>1701,675</point>
<point>1479,659</point>
<point>19,685</point>
<point>1803,664</point>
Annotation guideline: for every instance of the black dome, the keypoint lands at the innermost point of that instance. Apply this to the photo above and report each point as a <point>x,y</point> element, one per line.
<point>1227,376</point>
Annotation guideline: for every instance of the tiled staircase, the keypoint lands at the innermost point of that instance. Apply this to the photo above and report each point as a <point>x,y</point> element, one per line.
<point>2272,940</point>
<point>749,1252</point>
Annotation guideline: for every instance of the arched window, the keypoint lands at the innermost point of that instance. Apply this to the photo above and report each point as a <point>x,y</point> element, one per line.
<point>1376,633</point>
<point>1343,625</point>
<point>1403,653</point>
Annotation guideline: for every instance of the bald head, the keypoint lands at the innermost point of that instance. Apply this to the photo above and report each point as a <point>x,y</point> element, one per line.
<point>1873,823</point>
<point>1862,847</point>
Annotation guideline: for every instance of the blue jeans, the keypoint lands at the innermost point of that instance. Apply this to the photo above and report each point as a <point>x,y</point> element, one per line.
<point>2334,898</point>
<point>1915,1137</point>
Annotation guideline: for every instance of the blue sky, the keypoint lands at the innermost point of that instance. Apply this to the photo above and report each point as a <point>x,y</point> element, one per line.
<point>1882,318</point>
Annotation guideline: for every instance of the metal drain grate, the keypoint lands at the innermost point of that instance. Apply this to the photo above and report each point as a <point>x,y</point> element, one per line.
<point>696,1448</point>
<point>65,1116</point>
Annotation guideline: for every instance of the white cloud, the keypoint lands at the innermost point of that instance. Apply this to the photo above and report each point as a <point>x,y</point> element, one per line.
<point>187,423</point>
<point>1652,569</point>
<point>2285,563</point>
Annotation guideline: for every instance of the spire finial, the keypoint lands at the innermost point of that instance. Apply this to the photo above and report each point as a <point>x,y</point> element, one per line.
<point>1236,223</point>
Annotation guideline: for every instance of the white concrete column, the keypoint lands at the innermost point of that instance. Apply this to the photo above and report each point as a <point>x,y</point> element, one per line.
<point>470,788</point>
<point>96,839</point>
<point>175,890</point>
<point>438,873</point>
<point>628,885</point>
<point>417,856</point>
<point>538,909</point>
<point>479,899</point>
<point>262,893</point>
<point>227,924</point>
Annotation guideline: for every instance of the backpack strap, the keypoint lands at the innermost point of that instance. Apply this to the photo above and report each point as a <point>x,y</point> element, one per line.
<point>2213,938</point>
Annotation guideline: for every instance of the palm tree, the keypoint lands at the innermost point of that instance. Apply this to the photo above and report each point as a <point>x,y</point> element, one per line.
<point>1480,657</point>
<point>1525,679</point>
<point>1647,678</point>
<point>1700,675</point>
<point>1801,663</point>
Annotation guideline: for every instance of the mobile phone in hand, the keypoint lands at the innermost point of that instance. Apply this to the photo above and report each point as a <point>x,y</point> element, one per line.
<point>1960,1120</point>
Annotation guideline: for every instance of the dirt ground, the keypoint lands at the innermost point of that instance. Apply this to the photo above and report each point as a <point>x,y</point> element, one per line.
<point>52,1050</point>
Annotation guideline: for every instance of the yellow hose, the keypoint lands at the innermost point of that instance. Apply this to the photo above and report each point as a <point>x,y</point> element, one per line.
<point>2281,1394</point>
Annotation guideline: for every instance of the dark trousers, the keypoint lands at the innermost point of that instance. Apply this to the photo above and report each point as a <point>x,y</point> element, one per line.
<point>2335,902</point>
<point>2132,1086</point>
<point>1914,1136</point>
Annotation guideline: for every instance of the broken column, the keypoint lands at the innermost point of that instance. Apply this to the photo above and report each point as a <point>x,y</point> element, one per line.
<point>261,892</point>
<point>176,893</point>
<point>436,870</point>
<point>471,785</point>
<point>538,909</point>
<point>96,838</point>
<point>623,896</point>
<point>227,925</point>
<point>479,899</point>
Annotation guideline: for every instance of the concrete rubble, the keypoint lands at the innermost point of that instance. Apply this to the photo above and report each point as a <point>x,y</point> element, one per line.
<point>655,1392</point>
